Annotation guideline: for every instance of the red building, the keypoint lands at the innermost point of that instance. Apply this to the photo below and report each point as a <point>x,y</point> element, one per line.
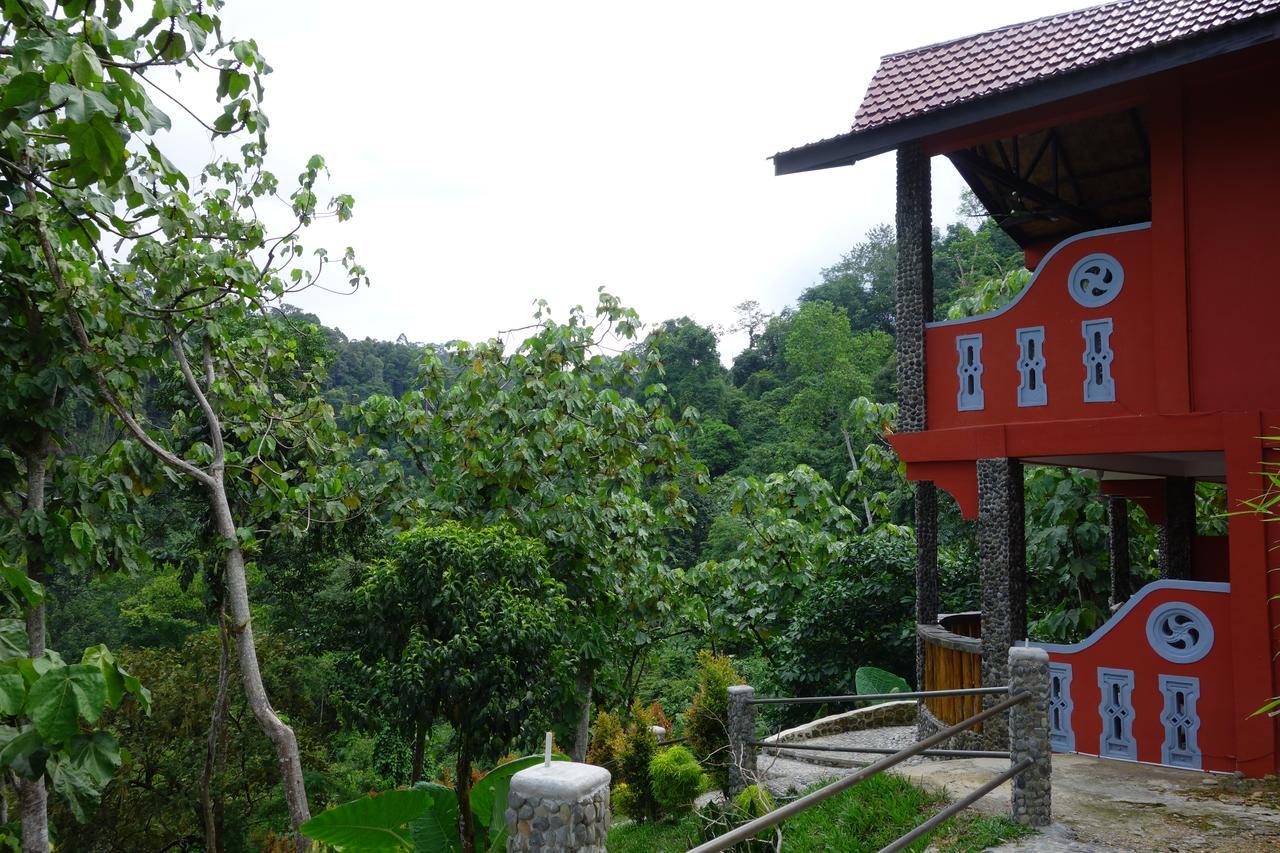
<point>1133,151</point>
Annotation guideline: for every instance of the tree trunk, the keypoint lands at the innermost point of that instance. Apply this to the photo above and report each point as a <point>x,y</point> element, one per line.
<point>33,798</point>
<point>582,735</point>
<point>280,734</point>
<point>419,748</point>
<point>466,824</point>
<point>215,748</point>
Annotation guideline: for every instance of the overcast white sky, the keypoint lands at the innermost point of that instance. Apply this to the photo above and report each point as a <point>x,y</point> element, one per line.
<point>501,152</point>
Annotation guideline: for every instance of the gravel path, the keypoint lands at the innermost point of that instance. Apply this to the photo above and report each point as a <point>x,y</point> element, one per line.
<point>787,771</point>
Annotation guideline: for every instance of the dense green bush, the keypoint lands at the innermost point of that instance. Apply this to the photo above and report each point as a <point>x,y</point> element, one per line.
<point>676,778</point>
<point>607,740</point>
<point>705,721</point>
<point>639,746</point>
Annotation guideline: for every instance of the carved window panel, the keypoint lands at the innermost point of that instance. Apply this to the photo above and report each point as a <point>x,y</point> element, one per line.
<point>1062,737</point>
<point>1181,722</point>
<point>1116,710</point>
<point>1031,388</point>
<point>1099,386</point>
<point>969,370</point>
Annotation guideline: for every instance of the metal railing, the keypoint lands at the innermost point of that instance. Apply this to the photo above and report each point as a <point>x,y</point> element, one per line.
<point>1029,693</point>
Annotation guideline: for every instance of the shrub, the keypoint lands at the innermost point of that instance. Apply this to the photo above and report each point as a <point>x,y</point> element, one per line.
<point>606,743</point>
<point>705,721</point>
<point>638,749</point>
<point>676,778</point>
<point>623,800</point>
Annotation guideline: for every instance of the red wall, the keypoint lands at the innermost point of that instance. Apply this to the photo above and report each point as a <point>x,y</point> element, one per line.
<point>1125,646</point>
<point>1047,302</point>
<point>1232,156</point>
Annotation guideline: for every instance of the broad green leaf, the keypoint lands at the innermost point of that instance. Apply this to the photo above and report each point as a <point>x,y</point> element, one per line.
<point>371,823</point>
<point>489,794</point>
<point>23,89</point>
<point>437,830</point>
<point>63,696</point>
<point>13,692</point>
<point>97,754</point>
<point>77,788</point>
<point>85,67</point>
<point>22,749</point>
<point>13,639</point>
<point>32,591</point>
<point>101,657</point>
<point>870,679</point>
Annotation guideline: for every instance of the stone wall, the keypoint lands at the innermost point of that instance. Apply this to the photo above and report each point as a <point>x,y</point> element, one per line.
<point>561,807</point>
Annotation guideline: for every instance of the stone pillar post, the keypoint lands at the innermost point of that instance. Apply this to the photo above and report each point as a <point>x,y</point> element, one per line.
<point>564,806</point>
<point>1178,529</point>
<point>1002,554</point>
<point>913,308</point>
<point>742,735</point>
<point>1118,547</point>
<point>1029,735</point>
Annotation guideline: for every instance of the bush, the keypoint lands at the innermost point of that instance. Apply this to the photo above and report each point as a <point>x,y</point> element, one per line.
<point>638,749</point>
<point>607,740</point>
<point>676,778</point>
<point>708,713</point>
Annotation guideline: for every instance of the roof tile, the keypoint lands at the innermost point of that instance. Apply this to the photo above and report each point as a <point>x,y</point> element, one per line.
<point>925,79</point>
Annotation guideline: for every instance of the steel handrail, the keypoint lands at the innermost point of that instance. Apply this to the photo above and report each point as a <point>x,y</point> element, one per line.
<point>753,827</point>
<point>883,750</point>
<point>876,697</point>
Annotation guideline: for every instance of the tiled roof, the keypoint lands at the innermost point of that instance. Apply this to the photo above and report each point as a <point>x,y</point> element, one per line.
<point>931,78</point>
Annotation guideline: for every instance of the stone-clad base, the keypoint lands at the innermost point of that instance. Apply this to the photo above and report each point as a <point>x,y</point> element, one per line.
<point>558,808</point>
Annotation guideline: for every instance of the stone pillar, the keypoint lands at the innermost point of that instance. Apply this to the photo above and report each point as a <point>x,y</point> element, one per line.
<point>1002,554</point>
<point>564,806</point>
<point>742,735</point>
<point>1178,529</point>
<point>1118,547</point>
<point>926,517</point>
<point>912,309</point>
<point>1029,736</point>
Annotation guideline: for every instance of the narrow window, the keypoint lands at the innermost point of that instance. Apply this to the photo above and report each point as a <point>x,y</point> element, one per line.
<point>1181,723</point>
<point>1117,739</point>
<point>969,370</point>
<point>1099,386</point>
<point>1062,737</point>
<point>1031,363</point>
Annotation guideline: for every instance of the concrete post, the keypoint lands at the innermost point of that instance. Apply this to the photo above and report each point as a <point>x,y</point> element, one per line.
<point>742,735</point>
<point>1029,736</point>
<point>564,806</point>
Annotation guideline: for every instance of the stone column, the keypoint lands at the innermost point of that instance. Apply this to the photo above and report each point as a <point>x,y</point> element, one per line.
<point>742,735</point>
<point>1029,736</point>
<point>1178,529</point>
<point>913,308</point>
<point>1118,547</point>
<point>564,806</point>
<point>1002,554</point>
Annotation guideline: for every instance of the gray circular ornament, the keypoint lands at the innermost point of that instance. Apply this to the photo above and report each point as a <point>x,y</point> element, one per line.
<point>1095,280</point>
<point>1179,632</point>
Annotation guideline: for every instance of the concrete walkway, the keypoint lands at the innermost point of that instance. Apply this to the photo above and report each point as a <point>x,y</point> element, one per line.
<point>1098,805</point>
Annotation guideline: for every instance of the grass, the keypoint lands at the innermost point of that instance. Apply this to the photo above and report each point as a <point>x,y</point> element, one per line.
<point>864,818</point>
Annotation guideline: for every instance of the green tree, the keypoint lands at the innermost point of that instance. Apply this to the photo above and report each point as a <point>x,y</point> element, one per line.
<point>547,436</point>
<point>467,624</point>
<point>185,291</point>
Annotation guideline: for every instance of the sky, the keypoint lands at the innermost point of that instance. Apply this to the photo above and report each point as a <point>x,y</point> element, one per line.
<point>503,152</point>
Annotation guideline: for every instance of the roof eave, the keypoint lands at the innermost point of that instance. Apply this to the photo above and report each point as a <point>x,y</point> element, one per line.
<point>851,147</point>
